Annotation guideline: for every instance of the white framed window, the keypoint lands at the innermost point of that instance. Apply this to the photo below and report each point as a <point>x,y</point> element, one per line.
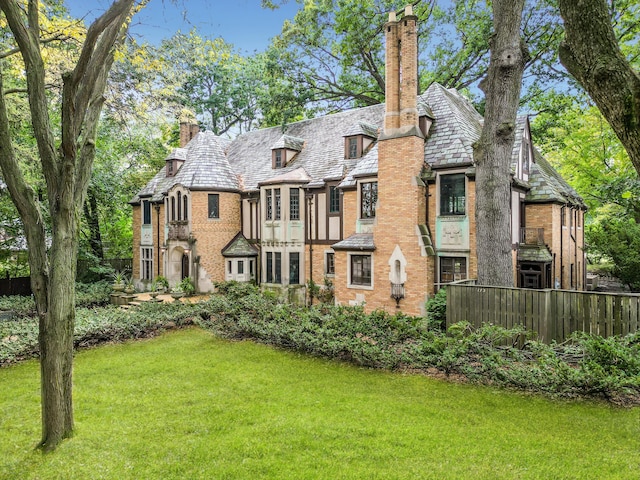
<point>360,270</point>
<point>146,263</point>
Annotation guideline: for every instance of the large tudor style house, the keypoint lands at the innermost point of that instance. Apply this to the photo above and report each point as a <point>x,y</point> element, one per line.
<point>379,199</point>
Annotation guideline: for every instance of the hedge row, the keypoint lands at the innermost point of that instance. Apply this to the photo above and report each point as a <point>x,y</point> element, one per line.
<point>584,366</point>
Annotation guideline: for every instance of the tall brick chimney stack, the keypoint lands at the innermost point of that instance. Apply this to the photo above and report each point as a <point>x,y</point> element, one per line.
<point>392,75</point>
<point>188,130</point>
<point>401,74</point>
<point>398,261</point>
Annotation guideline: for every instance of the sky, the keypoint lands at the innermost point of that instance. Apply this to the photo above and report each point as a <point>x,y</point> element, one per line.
<point>244,23</point>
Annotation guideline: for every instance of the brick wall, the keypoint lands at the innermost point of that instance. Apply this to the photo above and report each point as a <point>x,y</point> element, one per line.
<point>213,234</point>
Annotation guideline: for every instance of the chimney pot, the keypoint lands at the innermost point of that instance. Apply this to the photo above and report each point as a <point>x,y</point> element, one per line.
<point>408,10</point>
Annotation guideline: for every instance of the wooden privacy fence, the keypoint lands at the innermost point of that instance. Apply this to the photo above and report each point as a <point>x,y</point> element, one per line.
<point>552,314</point>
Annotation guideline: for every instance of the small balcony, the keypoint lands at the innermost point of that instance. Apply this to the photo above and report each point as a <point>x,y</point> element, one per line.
<point>179,230</point>
<point>532,236</point>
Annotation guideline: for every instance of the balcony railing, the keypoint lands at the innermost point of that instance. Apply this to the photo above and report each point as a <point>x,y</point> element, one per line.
<point>532,236</point>
<point>179,230</point>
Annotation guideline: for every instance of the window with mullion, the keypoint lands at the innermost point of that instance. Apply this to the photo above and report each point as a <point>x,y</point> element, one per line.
<point>368,199</point>
<point>361,270</point>
<point>277,202</point>
<point>294,204</point>
<point>452,194</point>
<point>334,199</point>
<point>294,268</point>
<point>269,205</point>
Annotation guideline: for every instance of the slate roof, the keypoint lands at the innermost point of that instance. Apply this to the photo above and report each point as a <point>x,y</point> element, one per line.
<point>357,241</point>
<point>534,253</point>
<point>457,126</point>
<point>243,164</point>
<point>287,141</point>
<point>322,156</point>
<point>546,184</point>
<point>362,128</point>
<point>205,167</point>
<point>239,246</point>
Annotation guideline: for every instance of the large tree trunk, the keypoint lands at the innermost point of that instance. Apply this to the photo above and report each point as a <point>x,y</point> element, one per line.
<point>492,152</point>
<point>93,221</point>
<point>67,170</point>
<point>591,54</point>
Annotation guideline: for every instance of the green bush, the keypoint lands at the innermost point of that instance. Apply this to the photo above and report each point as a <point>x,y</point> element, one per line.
<point>437,309</point>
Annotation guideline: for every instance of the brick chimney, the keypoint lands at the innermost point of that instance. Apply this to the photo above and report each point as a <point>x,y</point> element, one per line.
<point>188,130</point>
<point>401,74</point>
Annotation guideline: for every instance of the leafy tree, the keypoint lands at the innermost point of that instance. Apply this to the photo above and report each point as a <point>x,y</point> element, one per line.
<point>619,239</point>
<point>335,49</point>
<point>493,151</point>
<point>592,53</point>
<point>66,152</point>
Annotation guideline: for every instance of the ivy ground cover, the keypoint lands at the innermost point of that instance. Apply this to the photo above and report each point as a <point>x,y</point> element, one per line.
<point>190,405</point>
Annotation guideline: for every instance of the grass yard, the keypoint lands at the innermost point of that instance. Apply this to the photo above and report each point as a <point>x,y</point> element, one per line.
<point>187,405</point>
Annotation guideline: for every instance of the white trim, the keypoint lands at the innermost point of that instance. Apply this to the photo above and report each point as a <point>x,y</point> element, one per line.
<point>359,287</point>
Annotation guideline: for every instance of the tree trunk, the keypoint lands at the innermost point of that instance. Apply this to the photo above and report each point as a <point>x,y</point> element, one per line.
<point>93,221</point>
<point>590,53</point>
<point>67,170</point>
<point>493,151</point>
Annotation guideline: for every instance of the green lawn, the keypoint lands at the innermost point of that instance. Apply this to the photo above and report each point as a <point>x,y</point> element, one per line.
<point>187,405</point>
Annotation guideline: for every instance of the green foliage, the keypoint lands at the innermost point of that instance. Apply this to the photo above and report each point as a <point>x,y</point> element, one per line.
<point>237,410</point>
<point>437,308</point>
<point>186,285</point>
<point>95,325</point>
<point>619,240</point>
<point>490,354</point>
<point>323,293</point>
<point>584,366</point>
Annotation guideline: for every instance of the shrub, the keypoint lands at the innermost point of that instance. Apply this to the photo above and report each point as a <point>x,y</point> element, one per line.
<point>437,309</point>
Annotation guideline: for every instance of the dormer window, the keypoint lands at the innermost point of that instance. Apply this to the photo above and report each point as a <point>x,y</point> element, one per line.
<point>358,140</point>
<point>285,150</point>
<point>352,146</point>
<point>278,158</point>
<point>174,160</point>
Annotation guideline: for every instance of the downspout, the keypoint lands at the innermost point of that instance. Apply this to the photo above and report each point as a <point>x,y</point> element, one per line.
<point>309,197</point>
<point>157,207</point>
<point>561,245</point>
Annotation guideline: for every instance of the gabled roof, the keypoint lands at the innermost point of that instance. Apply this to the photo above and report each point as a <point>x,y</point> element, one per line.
<point>548,186</point>
<point>289,142</point>
<point>457,126</point>
<point>243,164</point>
<point>323,154</point>
<point>239,246</point>
<point>362,128</point>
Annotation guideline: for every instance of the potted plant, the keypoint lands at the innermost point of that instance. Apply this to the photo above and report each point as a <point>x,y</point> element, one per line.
<point>128,285</point>
<point>187,286</point>
<point>118,280</point>
<point>177,293</point>
<point>162,283</point>
<point>154,289</point>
